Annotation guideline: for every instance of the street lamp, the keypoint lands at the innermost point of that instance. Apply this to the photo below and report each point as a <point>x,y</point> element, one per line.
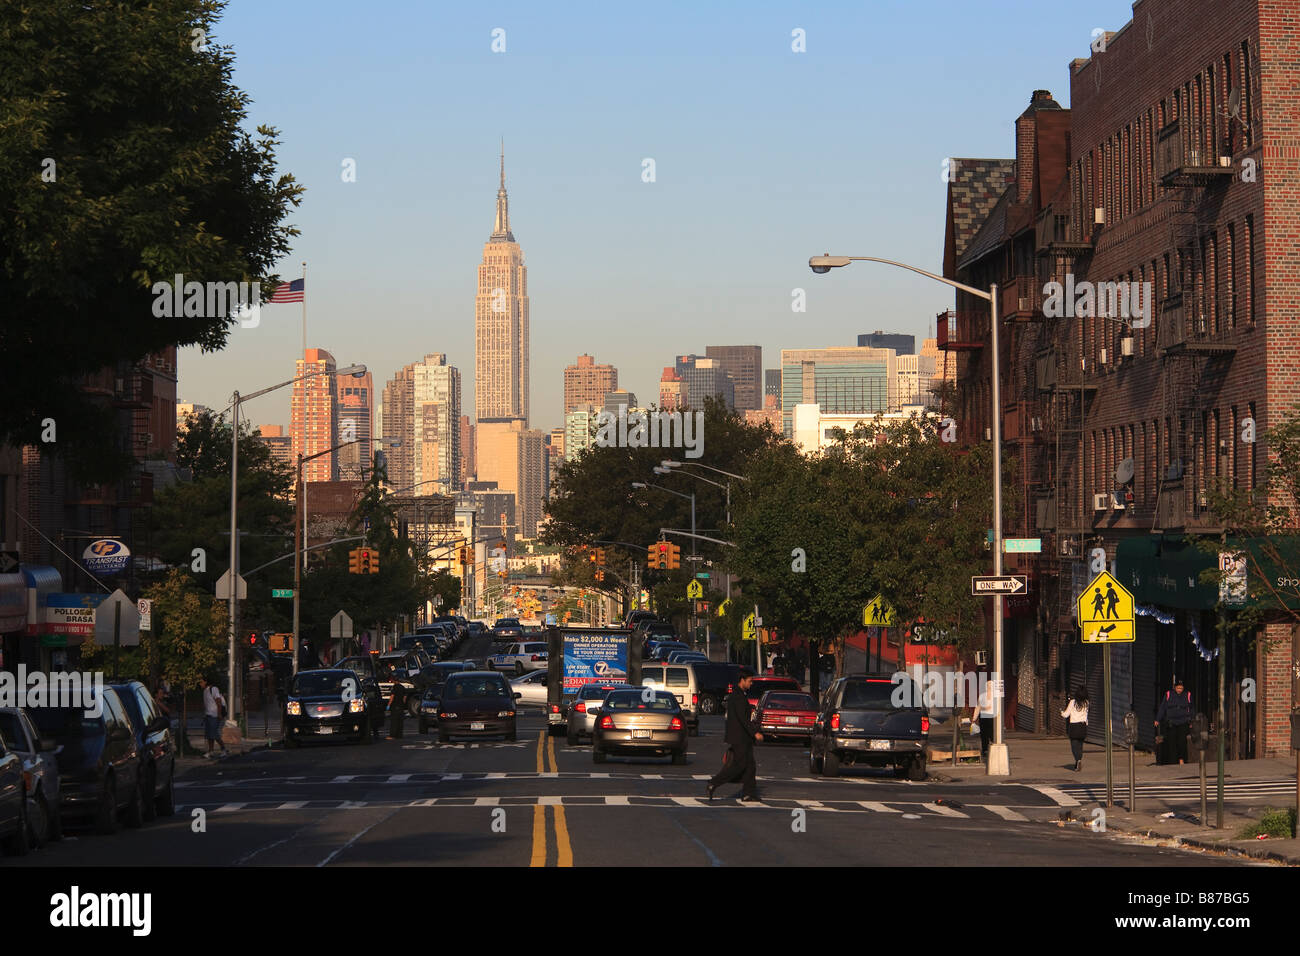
<point>999,762</point>
<point>691,498</point>
<point>357,371</point>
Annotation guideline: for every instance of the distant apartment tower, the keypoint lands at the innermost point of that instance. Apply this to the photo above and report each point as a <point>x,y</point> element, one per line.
<point>672,390</point>
<point>422,411</point>
<point>914,381</point>
<point>281,445</point>
<point>579,430</point>
<point>705,378</point>
<point>514,456</point>
<point>313,420</point>
<point>770,413</point>
<point>354,408</point>
<point>586,383</point>
<point>185,409</point>
<point>744,363</point>
<point>772,383</point>
<point>900,343</point>
<point>555,455</point>
<point>843,380</point>
<point>466,450</point>
<point>501,322</point>
<point>619,397</point>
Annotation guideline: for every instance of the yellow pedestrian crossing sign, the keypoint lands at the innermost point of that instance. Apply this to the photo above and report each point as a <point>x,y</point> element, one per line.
<point>747,629</point>
<point>695,590</point>
<point>1105,612</point>
<point>878,614</point>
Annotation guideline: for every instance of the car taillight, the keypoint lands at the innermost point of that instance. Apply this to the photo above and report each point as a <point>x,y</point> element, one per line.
<point>676,724</point>
<point>537,657</point>
<point>730,688</point>
<point>555,708</point>
<point>925,725</point>
<point>835,721</point>
<point>695,699</point>
<point>607,722</point>
<point>580,707</point>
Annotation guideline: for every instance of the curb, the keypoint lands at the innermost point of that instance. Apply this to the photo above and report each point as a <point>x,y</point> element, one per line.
<point>1250,849</point>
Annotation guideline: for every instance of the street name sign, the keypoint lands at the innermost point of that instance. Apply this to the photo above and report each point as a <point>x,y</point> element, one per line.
<point>992,584</point>
<point>281,592</point>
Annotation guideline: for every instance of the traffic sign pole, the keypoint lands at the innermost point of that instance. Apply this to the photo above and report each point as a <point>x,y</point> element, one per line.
<point>1110,769</point>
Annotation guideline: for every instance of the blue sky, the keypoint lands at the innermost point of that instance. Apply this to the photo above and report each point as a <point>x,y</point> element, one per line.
<point>763,157</point>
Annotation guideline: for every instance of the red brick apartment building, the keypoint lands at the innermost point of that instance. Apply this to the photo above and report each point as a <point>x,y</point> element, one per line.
<point>1177,165</point>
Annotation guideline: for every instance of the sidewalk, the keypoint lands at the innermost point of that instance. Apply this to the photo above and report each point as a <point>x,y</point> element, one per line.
<point>263,731</point>
<point>1046,764</point>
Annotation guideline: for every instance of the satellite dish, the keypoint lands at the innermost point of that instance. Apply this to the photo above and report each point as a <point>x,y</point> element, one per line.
<point>1124,473</point>
<point>1234,103</point>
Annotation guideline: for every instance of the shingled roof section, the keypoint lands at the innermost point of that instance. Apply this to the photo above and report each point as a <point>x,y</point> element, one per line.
<point>974,188</point>
<point>990,234</point>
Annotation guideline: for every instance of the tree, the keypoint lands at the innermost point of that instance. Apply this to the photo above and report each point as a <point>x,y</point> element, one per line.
<point>123,162</point>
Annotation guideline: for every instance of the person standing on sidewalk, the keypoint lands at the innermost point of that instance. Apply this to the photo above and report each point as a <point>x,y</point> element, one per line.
<point>1176,714</point>
<point>214,711</point>
<point>987,717</point>
<point>738,762</point>
<point>1076,711</point>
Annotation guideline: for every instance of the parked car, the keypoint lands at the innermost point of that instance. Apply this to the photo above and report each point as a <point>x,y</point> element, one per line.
<point>659,650</point>
<point>636,617</point>
<point>477,703</point>
<point>434,676</point>
<point>581,710</point>
<point>41,765</point>
<point>507,629</point>
<point>99,765</point>
<point>424,640</point>
<point>628,724</point>
<point>520,657</point>
<point>761,685</point>
<point>785,715</point>
<point>329,702</point>
<point>678,680</point>
<point>857,722</point>
<point>477,629</point>
<point>157,746</point>
<point>533,688</point>
<point>714,681</point>
<point>15,832</point>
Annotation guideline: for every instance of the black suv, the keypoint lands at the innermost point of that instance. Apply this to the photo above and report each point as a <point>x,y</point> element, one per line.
<point>870,719</point>
<point>99,766</point>
<point>157,746</point>
<point>332,702</point>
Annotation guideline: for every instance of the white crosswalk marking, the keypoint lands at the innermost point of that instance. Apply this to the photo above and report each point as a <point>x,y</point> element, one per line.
<point>1006,813</point>
<point>943,811</point>
<point>687,801</point>
<point>616,802</point>
<point>486,801</point>
<point>878,807</point>
<point>399,777</point>
<point>293,805</point>
<point>1062,800</point>
<point>346,778</point>
<point>227,808</point>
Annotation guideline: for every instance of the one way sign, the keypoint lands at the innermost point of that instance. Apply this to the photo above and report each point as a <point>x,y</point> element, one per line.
<point>1006,584</point>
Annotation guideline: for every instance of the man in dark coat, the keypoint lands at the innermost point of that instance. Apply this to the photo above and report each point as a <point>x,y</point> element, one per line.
<point>738,763</point>
<point>1176,714</point>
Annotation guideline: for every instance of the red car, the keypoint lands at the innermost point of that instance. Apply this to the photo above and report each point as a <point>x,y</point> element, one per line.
<point>786,715</point>
<point>762,685</point>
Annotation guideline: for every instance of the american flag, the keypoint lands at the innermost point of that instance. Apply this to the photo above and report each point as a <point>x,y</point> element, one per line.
<point>289,291</point>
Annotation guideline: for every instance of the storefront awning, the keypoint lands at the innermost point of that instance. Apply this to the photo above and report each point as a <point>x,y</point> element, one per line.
<point>1166,570</point>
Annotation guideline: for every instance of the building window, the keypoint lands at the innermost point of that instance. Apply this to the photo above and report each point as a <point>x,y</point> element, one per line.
<point>1247,99</point>
<point>1250,270</point>
<point>1253,446</point>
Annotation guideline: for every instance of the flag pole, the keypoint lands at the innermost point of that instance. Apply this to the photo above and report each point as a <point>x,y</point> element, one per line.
<point>304,311</point>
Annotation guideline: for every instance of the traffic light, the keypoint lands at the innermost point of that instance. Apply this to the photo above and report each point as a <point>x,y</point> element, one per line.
<point>591,555</point>
<point>364,557</point>
<point>662,555</point>
<point>374,562</point>
<point>600,556</point>
<point>674,556</point>
<point>652,556</point>
<point>600,575</point>
<point>354,561</point>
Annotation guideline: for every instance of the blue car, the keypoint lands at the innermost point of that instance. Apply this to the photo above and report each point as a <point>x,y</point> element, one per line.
<point>44,822</point>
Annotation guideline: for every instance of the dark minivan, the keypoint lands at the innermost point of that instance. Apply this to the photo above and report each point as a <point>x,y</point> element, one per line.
<point>157,746</point>
<point>863,720</point>
<point>477,704</point>
<point>99,766</point>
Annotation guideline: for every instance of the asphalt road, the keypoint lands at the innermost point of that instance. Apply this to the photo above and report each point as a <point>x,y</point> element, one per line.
<point>540,802</point>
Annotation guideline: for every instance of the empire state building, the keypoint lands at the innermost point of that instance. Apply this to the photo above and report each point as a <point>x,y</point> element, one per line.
<point>501,322</point>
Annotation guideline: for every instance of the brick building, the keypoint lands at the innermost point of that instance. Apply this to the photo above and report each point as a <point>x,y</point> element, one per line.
<point>1172,177</point>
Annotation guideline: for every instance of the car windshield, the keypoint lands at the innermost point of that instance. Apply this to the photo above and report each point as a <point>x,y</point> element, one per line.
<point>637,700</point>
<point>788,702</point>
<point>311,685</point>
<point>593,692</point>
<point>759,687</point>
<point>9,730</point>
<point>872,695</point>
<point>475,687</point>
<point>65,722</point>
<point>507,622</point>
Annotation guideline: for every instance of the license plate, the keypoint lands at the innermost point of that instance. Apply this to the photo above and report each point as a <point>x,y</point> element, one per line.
<point>792,720</point>
<point>476,725</point>
<point>640,735</point>
<point>324,730</point>
<point>881,744</point>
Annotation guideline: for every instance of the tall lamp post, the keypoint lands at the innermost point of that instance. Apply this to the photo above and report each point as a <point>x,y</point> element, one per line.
<point>999,761</point>
<point>691,499</point>
<point>236,400</point>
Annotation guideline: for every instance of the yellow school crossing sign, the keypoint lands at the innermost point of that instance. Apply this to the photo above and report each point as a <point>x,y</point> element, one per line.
<point>748,630</point>
<point>878,614</point>
<point>1106,612</point>
<point>695,590</point>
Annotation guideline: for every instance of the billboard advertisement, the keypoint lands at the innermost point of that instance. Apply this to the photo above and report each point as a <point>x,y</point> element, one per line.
<point>592,656</point>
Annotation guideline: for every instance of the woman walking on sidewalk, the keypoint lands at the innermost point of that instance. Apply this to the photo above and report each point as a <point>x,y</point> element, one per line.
<point>1076,711</point>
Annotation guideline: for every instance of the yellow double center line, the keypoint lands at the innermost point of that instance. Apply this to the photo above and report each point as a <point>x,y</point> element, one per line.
<point>563,850</point>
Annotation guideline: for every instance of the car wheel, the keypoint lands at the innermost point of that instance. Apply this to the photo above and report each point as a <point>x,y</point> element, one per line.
<point>679,757</point>
<point>597,756</point>
<point>423,725</point>
<point>916,769</point>
<point>831,764</point>
<point>413,705</point>
<point>38,820</point>
<point>814,762</point>
<point>519,669</point>
<point>166,802</point>
<point>708,705</point>
<point>135,809</point>
<point>20,842</point>
<point>571,739</point>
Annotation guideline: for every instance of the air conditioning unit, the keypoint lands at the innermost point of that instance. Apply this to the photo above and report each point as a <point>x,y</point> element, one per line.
<point>1225,161</point>
<point>1101,357</point>
<point>1202,326</point>
<point>1126,346</point>
<point>1099,216</point>
<point>1023,305</point>
<point>1100,502</point>
<point>988,434</point>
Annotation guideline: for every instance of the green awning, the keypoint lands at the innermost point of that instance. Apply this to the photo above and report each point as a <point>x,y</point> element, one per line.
<point>1166,570</point>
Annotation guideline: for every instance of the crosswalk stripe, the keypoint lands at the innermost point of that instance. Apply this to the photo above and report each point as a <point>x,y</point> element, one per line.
<point>399,777</point>
<point>347,778</point>
<point>486,801</point>
<point>943,811</point>
<point>1062,799</point>
<point>292,805</point>
<point>687,801</point>
<point>1006,813</point>
<point>878,807</point>
<point>616,802</point>
<point>230,807</point>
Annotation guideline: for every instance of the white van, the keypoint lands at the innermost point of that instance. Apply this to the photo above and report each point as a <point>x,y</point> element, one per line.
<point>678,680</point>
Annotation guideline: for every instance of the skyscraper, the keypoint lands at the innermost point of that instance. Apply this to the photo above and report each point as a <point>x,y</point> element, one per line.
<point>422,411</point>
<point>901,344</point>
<point>313,422</point>
<point>672,390</point>
<point>843,380</point>
<point>586,383</point>
<point>705,378</point>
<point>354,405</point>
<point>514,457</point>
<point>501,322</point>
<point>468,468</point>
<point>281,445</point>
<point>744,363</point>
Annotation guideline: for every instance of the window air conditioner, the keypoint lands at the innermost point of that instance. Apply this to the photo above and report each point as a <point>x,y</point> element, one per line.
<point>1099,216</point>
<point>1126,346</point>
<point>1100,502</point>
<point>1022,305</point>
<point>1101,357</point>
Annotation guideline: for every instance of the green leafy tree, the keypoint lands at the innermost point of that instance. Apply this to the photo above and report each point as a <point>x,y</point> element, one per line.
<point>123,162</point>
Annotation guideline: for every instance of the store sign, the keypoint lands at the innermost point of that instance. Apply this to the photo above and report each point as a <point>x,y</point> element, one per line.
<point>70,614</point>
<point>105,557</point>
